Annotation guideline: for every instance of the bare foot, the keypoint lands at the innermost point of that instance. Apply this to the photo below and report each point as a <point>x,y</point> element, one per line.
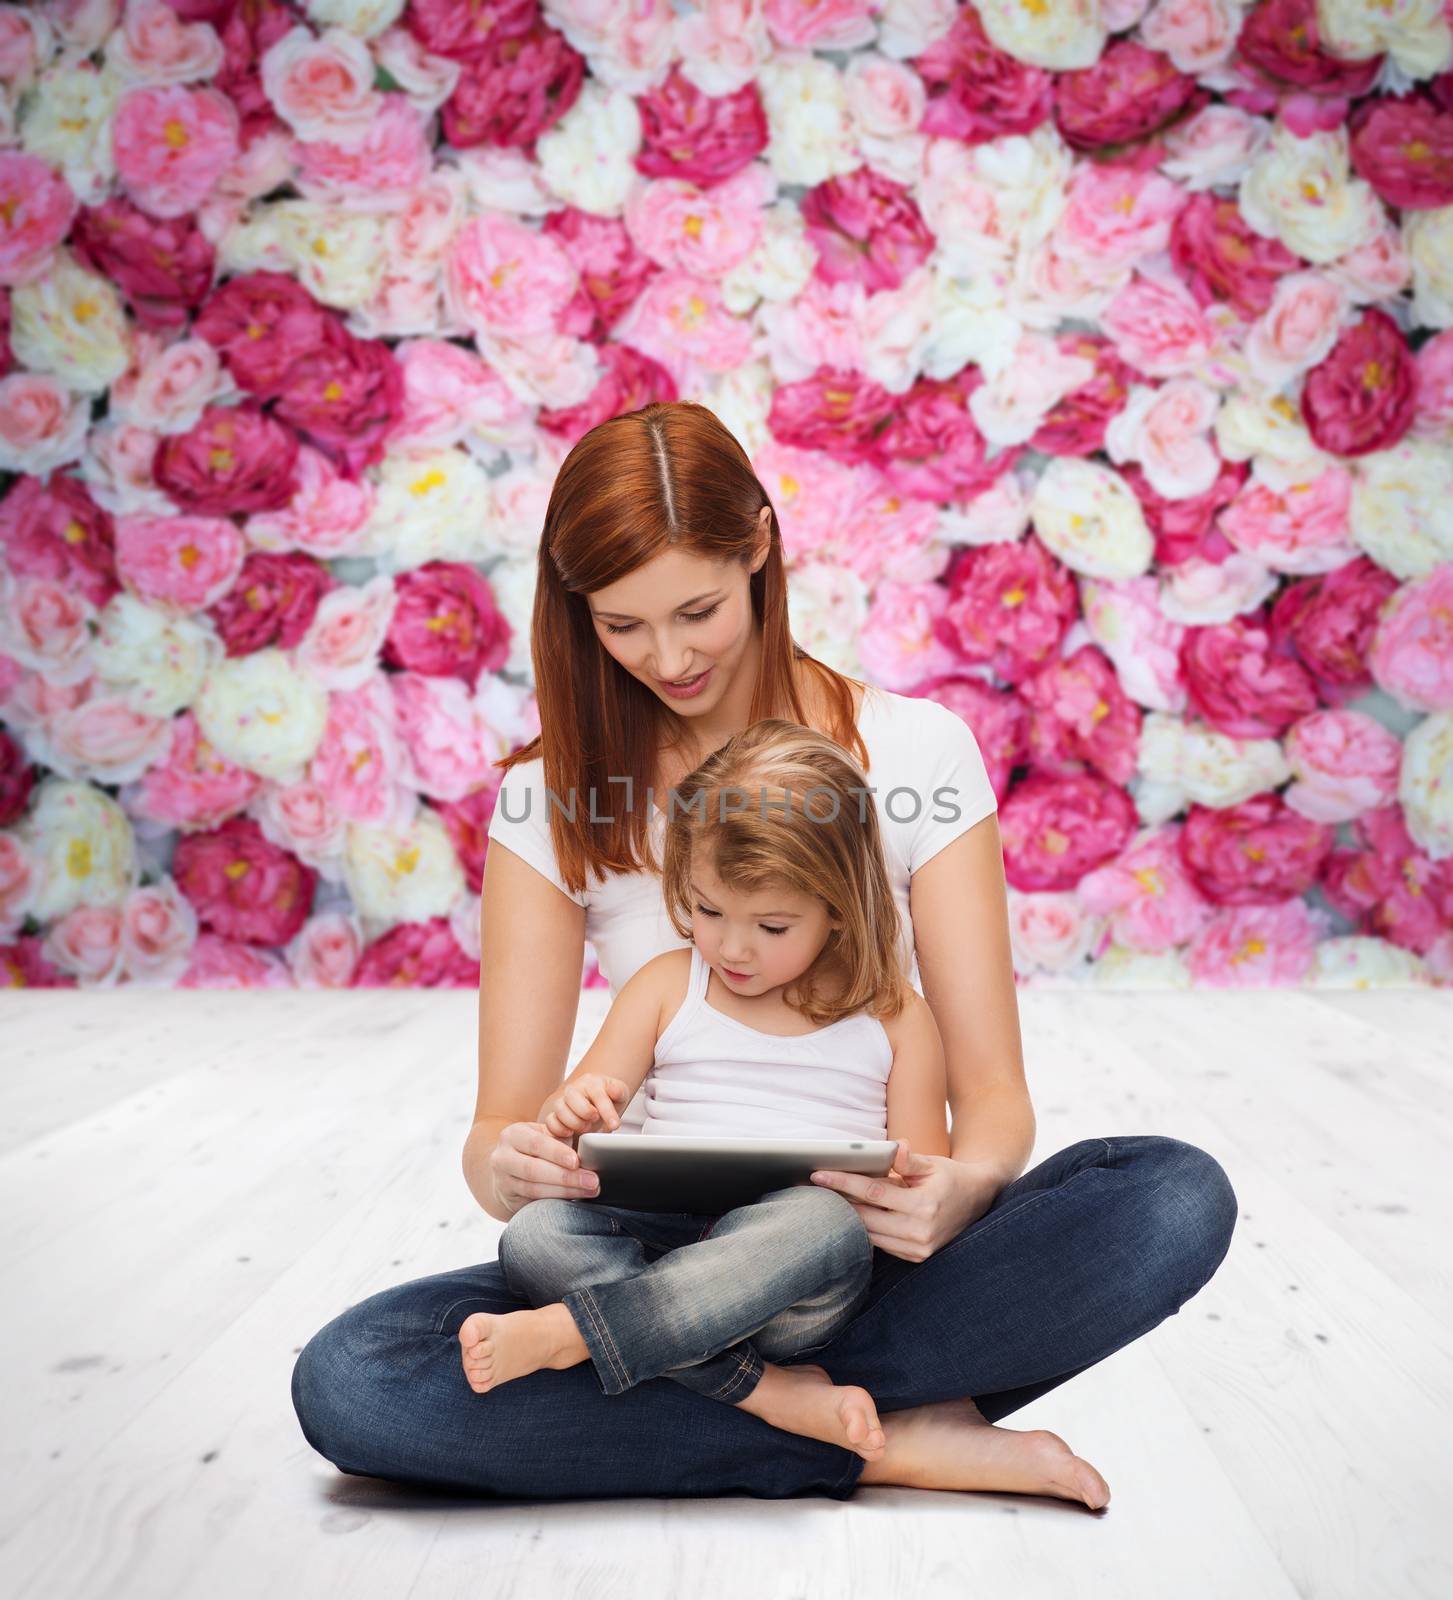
<point>498,1346</point>
<point>950,1445</point>
<point>804,1399</point>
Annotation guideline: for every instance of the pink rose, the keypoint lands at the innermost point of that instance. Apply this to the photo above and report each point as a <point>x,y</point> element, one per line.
<point>178,563</point>
<point>1076,425</point>
<point>1240,683</point>
<point>242,886</point>
<point>1219,256</point>
<point>1129,93</point>
<point>23,966</point>
<point>158,931</point>
<point>1298,328</point>
<point>192,786</point>
<point>86,942</point>
<point>1249,947</point>
<point>154,45</point>
<point>866,229</point>
<point>502,275</point>
<point>1403,146</point>
<point>359,761</point>
<point>19,879</point>
<point>169,385</point>
<point>341,647</point>
<point>372,173</point>
<point>1387,886</point>
<point>1115,217</point>
<point>326,952</point>
<point>443,733</point>
<point>1412,648</point>
<point>1329,622</point>
<point>322,87</point>
<point>272,602</point>
<point>17,775</point>
<point>828,25</point>
<point>344,395</point>
<point>897,643</point>
<point>1302,529</point>
<point>1185,528</point>
<point>706,233</point>
<point>682,322</point>
<point>462,31</point>
<point>219,963</point>
<point>838,412</point>
<point>929,445</point>
<point>262,322</point>
<point>449,392</point>
<point>1056,829</point>
<point>301,819</point>
<point>1258,852</point>
<point>1344,762</point>
<point>466,821</point>
<point>1435,388</point>
<point>327,516</point>
<point>171,145</point>
<point>1156,326</point>
<point>1080,714</point>
<point>1165,430</point>
<point>446,622</point>
<point>1362,396</point>
<point>106,740</point>
<point>44,626</point>
<point>1196,34</point>
<point>37,207</point>
<point>56,530</point>
<point>20,43</point>
<point>1151,900</point>
<point>516,89</point>
<point>237,458</point>
<point>1009,606</point>
<point>997,717</point>
<point>976,91</point>
<point>687,133</point>
<point>416,955</point>
<point>612,270</point>
<point>628,381</point>
<point>1281,41</point>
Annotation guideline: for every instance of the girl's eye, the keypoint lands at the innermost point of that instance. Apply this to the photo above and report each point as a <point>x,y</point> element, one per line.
<point>762,925</point>
<point>691,616</point>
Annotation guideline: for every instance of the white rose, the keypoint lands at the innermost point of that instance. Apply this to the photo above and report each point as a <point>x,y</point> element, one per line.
<point>780,265</point>
<point>1214,147</point>
<point>742,398</point>
<point>337,254</point>
<point>321,85</point>
<point>1059,34</point>
<point>82,845</point>
<point>365,19</point>
<point>171,385</point>
<point>897,327</point>
<point>1252,423</point>
<point>1051,931</point>
<point>906,28</point>
<point>1402,507</point>
<point>1203,593</point>
<point>514,583</point>
<point>812,133</point>
<point>1358,962</point>
<point>432,506</point>
<point>1300,191</point>
<point>827,605</point>
<point>1000,513</point>
<point>403,875</point>
<point>426,80</point>
<point>66,121</point>
<point>1120,968</point>
<point>1428,239</point>
<point>161,661</point>
<point>1414,33</point>
<point>1090,518</point>
<point>1425,784</point>
<point>588,157</point>
<point>71,323</point>
<point>1195,762</point>
<point>42,424</point>
<point>986,202</point>
<point>261,713</point>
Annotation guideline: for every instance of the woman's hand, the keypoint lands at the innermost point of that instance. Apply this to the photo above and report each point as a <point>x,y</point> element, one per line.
<point>922,1203</point>
<point>578,1105</point>
<point>529,1162</point>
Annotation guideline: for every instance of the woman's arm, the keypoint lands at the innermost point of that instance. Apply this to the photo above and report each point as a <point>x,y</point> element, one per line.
<point>917,1084</point>
<point>531,954</point>
<point>960,917</point>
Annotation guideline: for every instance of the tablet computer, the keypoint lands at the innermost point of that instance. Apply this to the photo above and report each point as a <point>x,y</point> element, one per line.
<point>689,1172</point>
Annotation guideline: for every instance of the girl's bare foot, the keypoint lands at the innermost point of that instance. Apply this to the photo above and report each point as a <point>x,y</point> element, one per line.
<point>804,1399</point>
<point>950,1445</point>
<point>498,1346</point>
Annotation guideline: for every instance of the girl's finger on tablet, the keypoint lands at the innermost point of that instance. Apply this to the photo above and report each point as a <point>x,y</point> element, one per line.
<point>605,1107</point>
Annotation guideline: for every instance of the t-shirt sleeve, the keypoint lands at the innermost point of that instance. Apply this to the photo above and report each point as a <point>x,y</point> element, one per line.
<point>521,823</point>
<point>956,791</point>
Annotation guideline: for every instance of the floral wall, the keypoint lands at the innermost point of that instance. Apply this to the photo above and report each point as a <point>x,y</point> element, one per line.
<point>1097,357</point>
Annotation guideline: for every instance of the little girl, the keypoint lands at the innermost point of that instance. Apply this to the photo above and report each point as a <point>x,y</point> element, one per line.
<point>789,1015</point>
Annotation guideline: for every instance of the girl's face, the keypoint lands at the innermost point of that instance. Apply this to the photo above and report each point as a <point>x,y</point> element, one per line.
<point>677,617</point>
<point>756,942</point>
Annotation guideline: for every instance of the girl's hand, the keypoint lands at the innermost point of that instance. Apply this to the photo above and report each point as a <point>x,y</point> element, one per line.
<point>578,1105</point>
<point>528,1163</point>
<point>922,1203</point>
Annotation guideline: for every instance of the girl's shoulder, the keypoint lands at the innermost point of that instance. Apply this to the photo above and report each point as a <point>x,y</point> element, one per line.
<point>669,976</point>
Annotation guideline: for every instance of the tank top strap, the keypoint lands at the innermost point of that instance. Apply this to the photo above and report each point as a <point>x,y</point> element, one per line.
<point>700,976</point>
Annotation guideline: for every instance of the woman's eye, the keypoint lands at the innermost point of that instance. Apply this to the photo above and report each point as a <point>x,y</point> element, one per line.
<point>691,616</point>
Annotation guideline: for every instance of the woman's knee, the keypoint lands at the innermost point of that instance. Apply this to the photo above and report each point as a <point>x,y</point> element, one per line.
<point>1196,1207</point>
<point>327,1390</point>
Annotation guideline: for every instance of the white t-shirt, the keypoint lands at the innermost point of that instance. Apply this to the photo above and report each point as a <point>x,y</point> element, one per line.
<point>914,745</point>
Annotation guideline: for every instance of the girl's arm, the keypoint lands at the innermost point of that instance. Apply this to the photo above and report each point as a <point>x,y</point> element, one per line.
<point>918,1083</point>
<point>625,1047</point>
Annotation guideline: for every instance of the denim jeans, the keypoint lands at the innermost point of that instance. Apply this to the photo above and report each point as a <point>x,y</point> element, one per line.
<point>680,1294</point>
<point>1074,1259</point>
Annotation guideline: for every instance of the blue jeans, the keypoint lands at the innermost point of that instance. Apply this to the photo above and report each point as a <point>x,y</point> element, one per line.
<point>1074,1259</point>
<point>680,1294</point>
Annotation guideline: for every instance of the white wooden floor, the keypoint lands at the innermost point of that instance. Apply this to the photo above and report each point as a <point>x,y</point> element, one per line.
<point>193,1183</point>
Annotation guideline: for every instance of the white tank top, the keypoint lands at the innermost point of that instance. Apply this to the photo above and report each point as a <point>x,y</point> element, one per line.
<point>715,1075</point>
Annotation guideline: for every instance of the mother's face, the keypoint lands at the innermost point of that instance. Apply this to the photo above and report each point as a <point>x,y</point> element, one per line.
<point>676,617</point>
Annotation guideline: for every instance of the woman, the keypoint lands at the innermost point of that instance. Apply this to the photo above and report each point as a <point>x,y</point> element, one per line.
<point>661,561</point>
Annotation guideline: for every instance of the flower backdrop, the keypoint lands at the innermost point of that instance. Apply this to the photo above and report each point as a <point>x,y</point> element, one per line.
<point>1097,357</point>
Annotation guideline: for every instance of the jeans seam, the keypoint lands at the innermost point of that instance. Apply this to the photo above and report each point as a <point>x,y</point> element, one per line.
<point>618,1371</point>
<point>746,1369</point>
<point>453,1305</point>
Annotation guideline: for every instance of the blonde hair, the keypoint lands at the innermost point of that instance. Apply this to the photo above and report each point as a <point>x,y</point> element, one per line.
<point>780,804</point>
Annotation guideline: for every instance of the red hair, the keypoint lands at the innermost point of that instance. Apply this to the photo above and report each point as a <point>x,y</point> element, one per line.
<point>668,476</point>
